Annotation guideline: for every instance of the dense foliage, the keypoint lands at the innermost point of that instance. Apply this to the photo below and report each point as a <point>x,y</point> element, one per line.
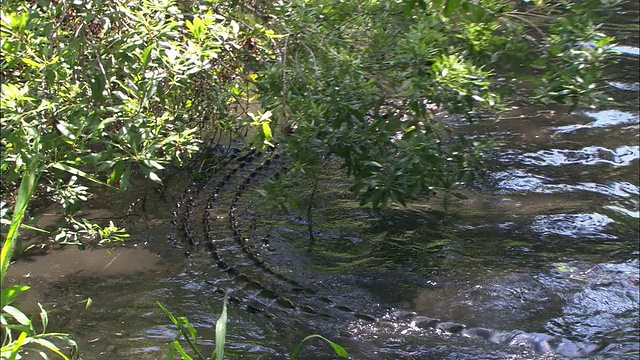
<point>380,83</point>
<point>101,89</point>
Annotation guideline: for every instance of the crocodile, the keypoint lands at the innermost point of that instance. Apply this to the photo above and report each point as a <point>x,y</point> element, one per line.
<point>208,214</point>
<point>218,229</point>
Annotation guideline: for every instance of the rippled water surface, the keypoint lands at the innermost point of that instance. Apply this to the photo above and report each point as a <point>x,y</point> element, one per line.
<point>551,247</point>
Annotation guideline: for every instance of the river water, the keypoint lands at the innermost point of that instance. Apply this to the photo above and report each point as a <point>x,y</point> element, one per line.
<point>552,246</point>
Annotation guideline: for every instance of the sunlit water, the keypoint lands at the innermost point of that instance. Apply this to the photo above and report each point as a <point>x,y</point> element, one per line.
<point>551,247</point>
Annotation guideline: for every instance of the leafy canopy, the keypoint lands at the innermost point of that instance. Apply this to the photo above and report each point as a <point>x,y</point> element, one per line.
<point>380,84</point>
<point>101,90</point>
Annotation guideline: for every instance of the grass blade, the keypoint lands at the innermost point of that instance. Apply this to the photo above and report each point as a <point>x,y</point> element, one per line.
<point>27,185</point>
<point>17,314</point>
<point>221,330</point>
<point>339,350</point>
<point>9,294</point>
<point>49,345</point>
<point>186,330</point>
<point>44,317</point>
<point>175,346</point>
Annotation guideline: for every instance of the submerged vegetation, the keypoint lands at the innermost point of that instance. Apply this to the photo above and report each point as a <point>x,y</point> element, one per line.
<point>102,91</point>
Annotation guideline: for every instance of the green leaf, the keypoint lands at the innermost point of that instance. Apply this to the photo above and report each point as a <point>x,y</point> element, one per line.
<point>76,172</point>
<point>266,130</point>
<point>49,345</point>
<point>126,177</point>
<point>373,164</point>
<point>116,174</point>
<point>44,317</point>
<point>177,322</point>
<point>97,87</point>
<point>19,21</point>
<point>183,323</point>
<point>17,314</point>
<point>339,350</point>
<point>11,292</point>
<point>146,56</point>
<point>221,330</point>
<point>88,304</point>
<point>15,346</point>
<point>272,35</point>
<point>32,63</point>
<point>476,12</point>
<point>168,313</point>
<point>153,164</point>
<point>63,127</point>
<point>235,28</point>
<point>459,195</point>
<point>27,186</point>
<point>176,345</point>
<point>155,178</point>
<point>450,7</point>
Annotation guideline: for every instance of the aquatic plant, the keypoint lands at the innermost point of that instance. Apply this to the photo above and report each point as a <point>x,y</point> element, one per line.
<point>188,333</point>
<point>19,332</point>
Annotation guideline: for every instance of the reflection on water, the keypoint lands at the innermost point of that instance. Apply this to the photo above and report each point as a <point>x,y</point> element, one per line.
<point>520,180</point>
<point>627,50</point>
<point>573,225</point>
<point>590,155</point>
<point>635,87</point>
<point>624,50</point>
<point>602,119</point>
<point>600,303</point>
<point>625,211</point>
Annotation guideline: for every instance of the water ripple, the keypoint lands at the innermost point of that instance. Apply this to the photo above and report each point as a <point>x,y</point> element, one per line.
<point>627,50</point>
<point>622,156</point>
<point>576,226</point>
<point>607,304</point>
<point>635,87</point>
<point>605,118</point>
<point>624,211</point>
<point>522,181</point>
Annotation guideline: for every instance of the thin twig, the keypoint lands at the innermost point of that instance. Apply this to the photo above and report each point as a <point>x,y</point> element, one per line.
<point>111,262</point>
<point>312,239</point>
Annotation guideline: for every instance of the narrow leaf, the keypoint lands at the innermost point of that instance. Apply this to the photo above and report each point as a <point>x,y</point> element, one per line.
<point>76,172</point>
<point>31,63</point>
<point>146,56</point>
<point>266,130</point>
<point>221,330</point>
<point>10,293</point>
<point>450,7</point>
<point>176,345</point>
<point>17,314</point>
<point>339,350</point>
<point>27,185</point>
<point>44,318</point>
<point>155,178</point>
<point>49,345</point>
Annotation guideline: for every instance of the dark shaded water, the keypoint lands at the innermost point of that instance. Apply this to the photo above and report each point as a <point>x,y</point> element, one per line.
<point>553,249</point>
